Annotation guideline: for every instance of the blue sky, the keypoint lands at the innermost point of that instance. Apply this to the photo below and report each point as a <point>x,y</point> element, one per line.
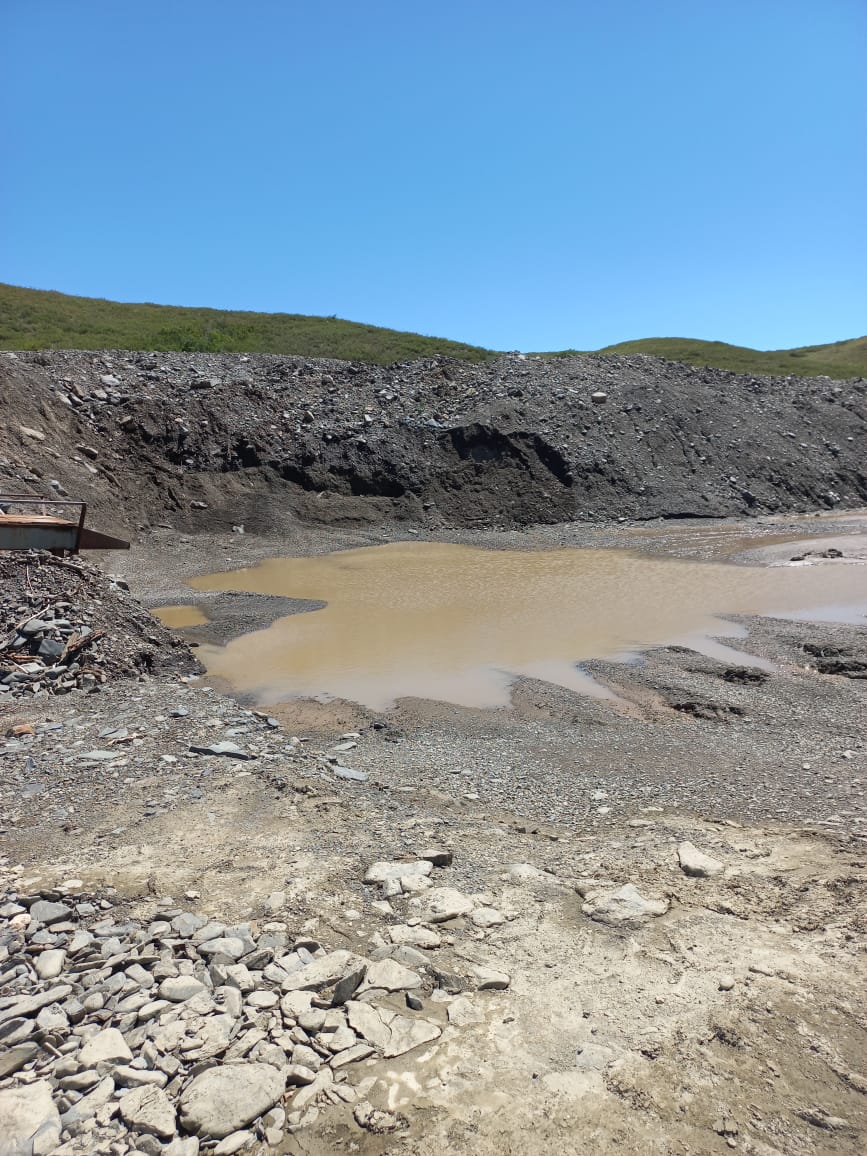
<point>518,175</point>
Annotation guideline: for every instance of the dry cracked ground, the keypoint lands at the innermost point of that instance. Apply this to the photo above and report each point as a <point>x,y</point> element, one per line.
<point>323,931</point>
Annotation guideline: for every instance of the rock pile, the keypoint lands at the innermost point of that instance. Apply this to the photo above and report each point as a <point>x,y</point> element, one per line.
<point>513,441</point>
<point>66,625</point>
<point>125,1036</point>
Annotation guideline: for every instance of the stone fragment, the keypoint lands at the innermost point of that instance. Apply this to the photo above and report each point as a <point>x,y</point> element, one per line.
<point>48,913</point>
<point>365,1020</point>
<point>376,1120</point>
<point>187,924</point>
<point>231,946</point>
<point>149,1110</point>
<point>402,933</point>
<point>30,1120</point>
<point>351,1056</point>
<point>407,1034</point>
<point>695,863</point>
<point>106,1047</point>
<point>390,975</point>
<point>487,979</point>
<point>177,989</point>
<point>50,963</point>
<point>625,906</point>
<point>224,1099</point>
<point>299,1076</point>
<point>13,1059</point>
<point>235,1143</point>
<point>90,1104</point>
<point>320,973</point>
<point>340,1040</point>
<point>382,871</point>
<point>227,749</point>
<point>444,903</point>
<point>260,1000</point>
<point>462,1012</point>
<point>440,857</point>
<point>486,917</point>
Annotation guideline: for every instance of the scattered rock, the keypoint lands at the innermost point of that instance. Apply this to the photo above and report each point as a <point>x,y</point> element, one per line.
<point>224,1099</point>
<point>149,1110</point>
<point>624,906</point>
<point>29,1120</point>
<point>695,863</point>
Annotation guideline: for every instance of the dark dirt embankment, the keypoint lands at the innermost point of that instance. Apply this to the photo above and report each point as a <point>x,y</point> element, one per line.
<point>206,441</point>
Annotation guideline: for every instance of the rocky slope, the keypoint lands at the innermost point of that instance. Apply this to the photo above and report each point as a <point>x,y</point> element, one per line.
<point>207,441</point>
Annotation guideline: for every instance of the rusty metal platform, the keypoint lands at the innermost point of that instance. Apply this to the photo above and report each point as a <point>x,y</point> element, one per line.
<point>43,531</point>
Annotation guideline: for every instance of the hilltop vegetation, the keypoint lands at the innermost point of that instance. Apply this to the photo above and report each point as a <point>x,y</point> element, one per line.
<point>39,319</point>
<point>840,359</point>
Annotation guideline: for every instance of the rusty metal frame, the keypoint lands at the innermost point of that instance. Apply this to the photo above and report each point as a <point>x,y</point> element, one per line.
<point>31,500</point>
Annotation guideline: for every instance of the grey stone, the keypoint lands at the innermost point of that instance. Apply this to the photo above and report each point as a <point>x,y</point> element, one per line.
<point>402,933</point>
<point>187,924</point>
<point>488,979</point>
<point>391,976</point>
<point>132,1077</point>
<point>320,973</point>
<point>486,917</point>
<point>351,775</point>
<point>234,1143</point>
<point>149,1110</point>
<point>407,1034</point>
<point>13,1059</point>
<point>50,648</point>
<point>368,1023</point>
<point>230,750</point>
<point>30,1120</point>
<point>624,906</point>
<point>382,871</point>
<point>695,863</point>
<point>231,946</point>
<point>106,1047</point>
<point>444,903</point>
<point>181,988</point>
<point>48,913</point>
<point>90,1104</point>
<point>299,1076</point>
<point>345,988</point>
<point>224,1099</point>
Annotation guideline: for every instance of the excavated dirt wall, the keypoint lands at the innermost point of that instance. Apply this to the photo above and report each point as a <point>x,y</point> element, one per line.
<point>206,441</point>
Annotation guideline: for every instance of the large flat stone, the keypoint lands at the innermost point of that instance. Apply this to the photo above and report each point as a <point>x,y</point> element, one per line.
<point>29,1121</point>
<point>149,1110</point>
<point>224,1099</point>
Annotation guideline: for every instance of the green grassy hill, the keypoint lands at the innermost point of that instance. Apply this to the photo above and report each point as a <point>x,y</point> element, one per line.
<point>37,319</point>
<point>840,359</point>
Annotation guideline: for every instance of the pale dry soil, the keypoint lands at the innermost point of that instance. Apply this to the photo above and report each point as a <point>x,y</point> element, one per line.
<point>608,1036</point>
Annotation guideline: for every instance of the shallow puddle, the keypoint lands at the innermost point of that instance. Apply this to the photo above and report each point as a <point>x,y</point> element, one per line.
<point>458,624</point>
<point>180,617</point>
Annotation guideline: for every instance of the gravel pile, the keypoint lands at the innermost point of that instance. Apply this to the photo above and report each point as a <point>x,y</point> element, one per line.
<point>213,441</point>
<point>67,625</point>
<point>121,1035</point>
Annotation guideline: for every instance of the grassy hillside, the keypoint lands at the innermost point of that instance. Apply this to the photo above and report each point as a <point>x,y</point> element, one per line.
<point>841,359</point>
<point>35,319</point>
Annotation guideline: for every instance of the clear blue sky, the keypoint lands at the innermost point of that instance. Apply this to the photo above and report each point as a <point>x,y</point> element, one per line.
<point>533,175</point>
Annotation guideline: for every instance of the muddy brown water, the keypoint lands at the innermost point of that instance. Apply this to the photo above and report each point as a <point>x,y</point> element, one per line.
<point>458,624</point>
